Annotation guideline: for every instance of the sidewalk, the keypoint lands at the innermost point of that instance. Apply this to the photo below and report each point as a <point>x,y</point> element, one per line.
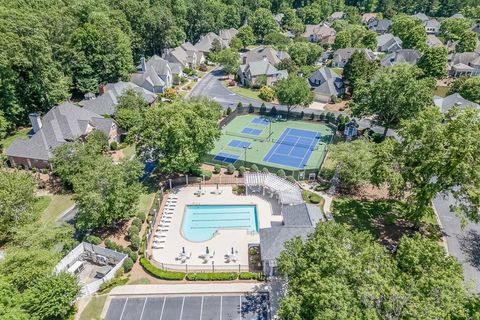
<point>188,288</point>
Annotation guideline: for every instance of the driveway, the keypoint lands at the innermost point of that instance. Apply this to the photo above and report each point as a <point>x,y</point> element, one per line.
<point>464,244</point>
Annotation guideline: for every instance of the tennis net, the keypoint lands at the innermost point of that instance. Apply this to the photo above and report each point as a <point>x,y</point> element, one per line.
<point>312,146</point>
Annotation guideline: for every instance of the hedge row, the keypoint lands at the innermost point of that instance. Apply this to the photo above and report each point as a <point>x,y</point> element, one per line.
<point>251,276</point>
<point>212,276</point>
<point>159,273</point>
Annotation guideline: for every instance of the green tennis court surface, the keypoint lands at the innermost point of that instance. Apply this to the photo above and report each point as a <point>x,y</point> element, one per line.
<point>290,145</point>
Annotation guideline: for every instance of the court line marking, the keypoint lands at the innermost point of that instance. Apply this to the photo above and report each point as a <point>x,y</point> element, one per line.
<point>144,303</point>
<point>123,310</point>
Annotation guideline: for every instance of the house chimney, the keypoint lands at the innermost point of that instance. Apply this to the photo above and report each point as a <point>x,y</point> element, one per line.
<point>36,121</point>
<point>102,89</point>
<point>143,65</point>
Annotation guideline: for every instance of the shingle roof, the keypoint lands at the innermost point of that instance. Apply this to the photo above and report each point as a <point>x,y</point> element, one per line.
<point>272,240</point>
<point>205,42</point>
<point>322,29</point>
<point>433,41</point>
<point>402,56</point>
<point>60,125</point>
<point>261,53</point>
<point>326,81</point>
<point>261,67</point>
<point>421,16</point>
<point>453,100</point>
<point>228,34</point>
<point>388,40</point>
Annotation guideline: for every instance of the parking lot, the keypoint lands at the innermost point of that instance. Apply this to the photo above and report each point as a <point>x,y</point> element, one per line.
<point>190,307</point>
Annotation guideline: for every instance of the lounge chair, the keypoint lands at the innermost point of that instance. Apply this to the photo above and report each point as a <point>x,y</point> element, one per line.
<point>158,246</point>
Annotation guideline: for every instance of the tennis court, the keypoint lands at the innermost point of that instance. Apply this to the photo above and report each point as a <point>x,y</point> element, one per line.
<point>291,145</point>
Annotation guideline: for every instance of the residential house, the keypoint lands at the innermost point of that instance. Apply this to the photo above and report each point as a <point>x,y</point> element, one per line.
<point>369,17</point>
<point>186,55</point>
<point>109,97</point>
<point>432,26</point>
<point>380,26</point>
<point>264,53</point>
<point>228,34</point>
<point>388,43</point>
<point>351,130</point>
<point>204,45</point>
<point>457,16</point>
<point>155,75</point>
<point>322,33</point>
<point>476,28</point>
<point>325,84</point>
<point>421,16</point>
<point>464,64</point>
<point>299,220</point>
<point>337,15</point>
<point>62,124</point>
<point>402,56</point>
<point>433,41</point>
<point>453,100</point>
<point>250,72</point>
<point>341,56</point>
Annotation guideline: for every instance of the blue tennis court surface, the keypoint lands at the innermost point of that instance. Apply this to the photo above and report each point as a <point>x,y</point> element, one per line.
<point>260,121</point>
<point>252,131</point>
<point>239,144</point>
<point>293,148</point>
<point>226,157</point>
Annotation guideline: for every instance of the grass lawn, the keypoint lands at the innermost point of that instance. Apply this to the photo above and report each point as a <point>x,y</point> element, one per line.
<point>338,71</point>
<point>384,219</point>
<point>441,91</point>
<point>146,201</point>
<point>42,204</point>
<point>22,133</point>
<point>94,308</point>
<point>313,198</point>
<point>140,281</point>
<point>249,93</point>
<point>57,204</point>
<point>128,151</point>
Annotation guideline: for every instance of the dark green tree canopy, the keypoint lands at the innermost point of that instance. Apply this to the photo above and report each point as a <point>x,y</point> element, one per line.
<point>434,62</point>
<point>293,91</point>
<point>411,31</point>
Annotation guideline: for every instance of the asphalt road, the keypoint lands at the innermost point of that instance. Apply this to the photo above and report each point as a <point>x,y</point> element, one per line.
<point>464,244</point>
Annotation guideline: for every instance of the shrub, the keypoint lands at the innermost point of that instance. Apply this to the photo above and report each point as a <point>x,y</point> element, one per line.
<point>321,117</point>
<point>141,215</point>
<point>137,223</point>
<point>265,170</point>
<point>291,179</point>
<point>322,187</point>
<point>281,173</point>
<point>231,168</point>
<point>263,109</point>
<point>229,110</point>
<point>109,244</point>
<point>133,231</point>
<point>159,273</point>
<point>203,67</point>
<point>241,171</point>
<point>211,276</point>
<point>251,109</point>
<point>312,116</point>
<point>189,71</point>
<point>240,107</point>
<point>273,112</point>
<point>314,198</point>
<point>302,115</point>
<point>93,239</point>
<point>170,94</point>
<point>109,285</point>
<point>217,168</point>
<point>231,83</point>
<point>128,264</point>
<point>207,174</point>
<point>336,99</point>
<point>266,94</point>
<point>114,145</point>
<point>251,276</point>
<point>135,242</point>
<point>254,168</point>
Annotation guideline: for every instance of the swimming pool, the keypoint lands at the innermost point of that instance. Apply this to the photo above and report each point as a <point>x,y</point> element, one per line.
<point>200,222</point>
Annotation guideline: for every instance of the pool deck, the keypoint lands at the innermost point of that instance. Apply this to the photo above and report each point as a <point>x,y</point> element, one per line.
<point>222,242</point>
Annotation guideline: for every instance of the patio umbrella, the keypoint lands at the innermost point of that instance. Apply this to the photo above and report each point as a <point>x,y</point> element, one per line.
<point>207,251</point>
<point>183,249</point>
<point>232,250</point>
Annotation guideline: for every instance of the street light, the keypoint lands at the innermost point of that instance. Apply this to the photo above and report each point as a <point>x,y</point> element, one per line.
<point>245,161</point>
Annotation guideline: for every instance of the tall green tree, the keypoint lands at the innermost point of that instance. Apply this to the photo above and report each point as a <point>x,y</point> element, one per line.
<point>434,62</point>
<point>100,52</point>
<point>177,136</point>
<point>293,91</point>
<point>392,95</point>
<point>246,36</point>
<point>436,154</point>
<point>358,68</point>
<point>229,59</point>
<point>304,53</point>
<point>470,89</point>
<point>410,31</point>
<point>459,29</point>
<point>17,201</point>
<point>129,109</point>
<point>262,23</point>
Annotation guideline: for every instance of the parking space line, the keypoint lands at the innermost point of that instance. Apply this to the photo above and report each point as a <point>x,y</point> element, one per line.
<point>181,311</point>
<point>163,307</point>
<point>123,310</point>
<point>144,303</point>
<point>201,309</point>
<point>221,307</point>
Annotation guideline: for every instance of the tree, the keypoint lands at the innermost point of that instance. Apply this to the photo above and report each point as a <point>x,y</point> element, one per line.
<point>353,162</point>
<point>266,94</point>
<point>434,62</point>
<point>468,42</point>
<point>470,89</point>
<point>410,30</point>
<point>311,14</point>
<point>246,36</point>
<point>327,279</point>
<point>458,29</point>
<point>229,59</point>
<point>304,53</point>
<point>342,40</point>
<point>277,39</point>
<point>106,198</point>
<point>52,296</point>
<point>369,40</point>
<point>262,23</point>
<point>130,106</point>
<point>17,200</point>
<point>178,135</point>
<point>100,52</point>
<point>393,94</point>
<point>293,91</point>
<point>4,125</point>
<point>434,155</point>
<point>358,68</point>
